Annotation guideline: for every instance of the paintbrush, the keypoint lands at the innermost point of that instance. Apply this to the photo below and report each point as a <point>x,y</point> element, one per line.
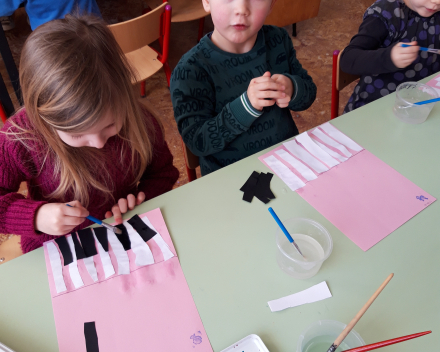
<point>99,222</point>
<point>429,50</point>
<point>280,224</point>
<point>373,346</point>
<point>359,315</point>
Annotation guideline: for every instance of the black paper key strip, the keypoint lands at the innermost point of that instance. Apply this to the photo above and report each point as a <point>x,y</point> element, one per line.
<point>258,185</point>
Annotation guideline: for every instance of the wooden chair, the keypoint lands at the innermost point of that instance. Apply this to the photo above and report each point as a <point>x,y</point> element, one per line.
<point>134,37</point>
<point>340,80</point>
<point>184,11</point>
<point>191,161</point>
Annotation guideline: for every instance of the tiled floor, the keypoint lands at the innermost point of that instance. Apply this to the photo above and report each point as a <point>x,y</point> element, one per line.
<point>317,38</point>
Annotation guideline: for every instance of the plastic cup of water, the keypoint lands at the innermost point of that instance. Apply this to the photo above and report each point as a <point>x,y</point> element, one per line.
<point>319,336</point>
<point>409,93</point>
<point>314,242</point>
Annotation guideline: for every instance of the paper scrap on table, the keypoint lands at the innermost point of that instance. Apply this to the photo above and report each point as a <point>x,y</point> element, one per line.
<point>313,294</point>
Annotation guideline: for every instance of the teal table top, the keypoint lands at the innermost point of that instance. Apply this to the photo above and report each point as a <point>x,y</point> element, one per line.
<point>227,251</point>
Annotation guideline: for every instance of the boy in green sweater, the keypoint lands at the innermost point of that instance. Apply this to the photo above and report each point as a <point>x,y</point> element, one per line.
<point>232,92</point>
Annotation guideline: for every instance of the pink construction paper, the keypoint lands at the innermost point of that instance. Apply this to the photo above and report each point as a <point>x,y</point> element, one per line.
<point>151,309</point>
<point>365,198</point>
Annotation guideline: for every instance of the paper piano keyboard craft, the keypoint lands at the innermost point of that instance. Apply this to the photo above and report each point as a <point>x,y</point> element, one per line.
<point>122,292</point>
<point>357,192</point>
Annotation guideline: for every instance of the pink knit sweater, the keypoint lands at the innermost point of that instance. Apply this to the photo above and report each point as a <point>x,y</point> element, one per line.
<point>18,164</point>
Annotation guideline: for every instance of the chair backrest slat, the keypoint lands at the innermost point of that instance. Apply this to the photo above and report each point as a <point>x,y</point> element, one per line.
<point>140,31</point>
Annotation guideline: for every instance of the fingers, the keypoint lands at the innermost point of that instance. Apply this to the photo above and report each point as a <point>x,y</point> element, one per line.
<point>117,213</point>
<point>266,74</point>
<point>140,198</point>
<point>131,200</point>
<point>108,214</point>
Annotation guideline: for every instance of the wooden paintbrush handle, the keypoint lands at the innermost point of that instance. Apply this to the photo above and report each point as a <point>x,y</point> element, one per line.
<point>367,305</point>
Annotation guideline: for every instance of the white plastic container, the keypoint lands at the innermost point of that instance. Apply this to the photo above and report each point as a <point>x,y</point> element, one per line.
<point>314,242</point>
<point>409,93</point>
<point>319,336</point>
<point>251,343</point>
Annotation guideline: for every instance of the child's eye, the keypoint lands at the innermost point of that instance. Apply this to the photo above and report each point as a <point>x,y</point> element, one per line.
<point>76,137</point>
<point>111,125</point>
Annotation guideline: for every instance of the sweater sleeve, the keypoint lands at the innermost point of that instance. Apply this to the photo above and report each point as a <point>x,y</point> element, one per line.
<point>160,175</point>
<point>203,130</point>
<point>17,214</point>
<point>304,89</point>
<point>364,54</point>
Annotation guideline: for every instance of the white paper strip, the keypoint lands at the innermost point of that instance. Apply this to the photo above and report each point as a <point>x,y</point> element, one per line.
<point>305,172</point>
<point>166,251</point>
<point>73,267</point>
<point>139,247</point>
<point>105,259</point>
<point>331,142</point>
<point>313,149</point>
<point>296,150</point>
<point>340,137</point>
<point>312,294</point>
<point>57,268</point>
<point>90,266</point>
<point>120,253</point>
<point>283,172</point>
<point>332,152</point>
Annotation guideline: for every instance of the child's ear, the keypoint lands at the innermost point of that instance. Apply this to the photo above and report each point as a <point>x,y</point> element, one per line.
<point>207,5</point>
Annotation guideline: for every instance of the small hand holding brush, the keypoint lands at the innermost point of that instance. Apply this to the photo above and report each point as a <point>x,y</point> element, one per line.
<point>99,222</point>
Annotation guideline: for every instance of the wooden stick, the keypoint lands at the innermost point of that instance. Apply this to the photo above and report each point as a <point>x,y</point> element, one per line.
<point>373,346</point>
<point>359,315</point>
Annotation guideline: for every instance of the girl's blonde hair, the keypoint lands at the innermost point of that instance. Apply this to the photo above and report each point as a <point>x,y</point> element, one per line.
<point>72,71</point>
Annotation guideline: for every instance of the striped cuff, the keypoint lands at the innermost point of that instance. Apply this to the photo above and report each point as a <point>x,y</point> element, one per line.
<point>243,110</point>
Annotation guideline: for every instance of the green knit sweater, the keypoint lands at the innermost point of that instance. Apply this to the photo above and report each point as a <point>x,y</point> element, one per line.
<point>211,107</point>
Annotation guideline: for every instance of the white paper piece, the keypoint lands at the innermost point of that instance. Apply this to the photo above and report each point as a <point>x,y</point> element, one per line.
<point>120,253</point>
<point>105,259</point>
<point>438,82</point>
<point>57,267</point>
<point>314,149</point>
<point>332,152</point>
<point>312,294</point>
<point>166,251</point>
<point>90,266</point>
<point>305,172</point>
<point>331,142</point>
<point>284,173</point>
<point>340,137</point>
<point>73,267</point>
<point>139,247</point>
<point>296,150</point>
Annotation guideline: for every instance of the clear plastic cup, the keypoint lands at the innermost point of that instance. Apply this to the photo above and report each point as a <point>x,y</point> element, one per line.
<point>409,93</point>
<point>319,336</point>
<point>314,242</point>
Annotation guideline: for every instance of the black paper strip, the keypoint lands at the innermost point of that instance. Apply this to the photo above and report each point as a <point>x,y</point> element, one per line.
<point>101,235</point>
<point>249,187</point>
<point>91,337</point>
<point>124,239</point>
<point>142,228</point>
<point>87,242</point>
<point>78,249</point>
<point>65,249</point>
<point>262,190</point>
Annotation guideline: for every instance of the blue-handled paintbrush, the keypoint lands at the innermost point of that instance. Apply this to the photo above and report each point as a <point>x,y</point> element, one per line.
<point>280,224</point>
<point>429,50</point>
<point>99,222</point>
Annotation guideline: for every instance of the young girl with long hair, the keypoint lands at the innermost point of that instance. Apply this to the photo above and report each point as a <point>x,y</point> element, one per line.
<point>81,138</point>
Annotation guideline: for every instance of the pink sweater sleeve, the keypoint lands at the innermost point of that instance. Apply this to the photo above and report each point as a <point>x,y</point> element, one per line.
<point>160,175</point>
<point>17,213</point>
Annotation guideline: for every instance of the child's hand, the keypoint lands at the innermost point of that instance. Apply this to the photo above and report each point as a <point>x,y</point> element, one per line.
<point>264,91</point>
<point>403,57</point>
<point>58,219</point>
<point>125,205</point>
<point>287,83</point>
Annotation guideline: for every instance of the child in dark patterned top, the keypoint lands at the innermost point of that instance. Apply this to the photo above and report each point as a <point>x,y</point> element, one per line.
<point>376,54</point>
<point>233,92</point>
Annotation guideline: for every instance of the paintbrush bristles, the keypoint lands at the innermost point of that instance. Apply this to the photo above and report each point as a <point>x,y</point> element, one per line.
<point>359,315</point>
